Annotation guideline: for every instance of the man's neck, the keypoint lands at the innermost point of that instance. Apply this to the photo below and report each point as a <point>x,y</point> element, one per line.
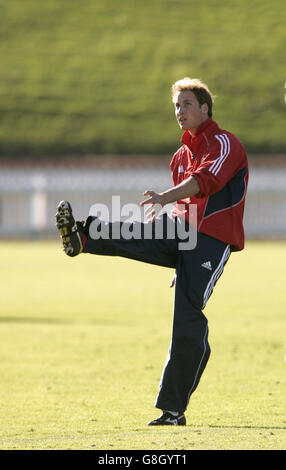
<point>193,130</point>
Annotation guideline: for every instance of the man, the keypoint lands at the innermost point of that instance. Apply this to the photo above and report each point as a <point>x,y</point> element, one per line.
<point>210,174</point>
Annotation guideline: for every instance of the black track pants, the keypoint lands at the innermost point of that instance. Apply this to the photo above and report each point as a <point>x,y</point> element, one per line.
<point>197,271</point>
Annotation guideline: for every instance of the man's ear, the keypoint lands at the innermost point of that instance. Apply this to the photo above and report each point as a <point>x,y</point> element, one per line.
<point>205,108</point>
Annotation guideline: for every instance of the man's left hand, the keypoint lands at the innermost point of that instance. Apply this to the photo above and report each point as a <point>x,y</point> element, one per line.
<point>156,203</point>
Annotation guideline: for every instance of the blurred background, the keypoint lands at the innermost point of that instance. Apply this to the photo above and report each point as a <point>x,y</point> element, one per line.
<point>86,108</point>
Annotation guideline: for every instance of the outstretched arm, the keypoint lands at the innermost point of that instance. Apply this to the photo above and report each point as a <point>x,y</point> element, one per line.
<point>188,188</point>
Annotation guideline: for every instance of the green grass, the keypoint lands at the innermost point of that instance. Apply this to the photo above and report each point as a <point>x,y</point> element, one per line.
<point>94,77</point>
<point>84,340</point>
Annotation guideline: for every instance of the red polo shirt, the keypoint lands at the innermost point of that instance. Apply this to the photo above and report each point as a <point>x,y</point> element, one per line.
<point>218,161</point>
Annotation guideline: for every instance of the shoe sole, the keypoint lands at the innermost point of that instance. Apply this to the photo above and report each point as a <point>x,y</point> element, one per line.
<point>68,229</point>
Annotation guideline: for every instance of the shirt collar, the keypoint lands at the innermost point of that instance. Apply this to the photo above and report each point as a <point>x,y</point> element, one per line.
<point>190,140</point>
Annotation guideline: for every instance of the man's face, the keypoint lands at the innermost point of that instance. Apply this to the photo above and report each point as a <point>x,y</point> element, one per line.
<point>189,113</point>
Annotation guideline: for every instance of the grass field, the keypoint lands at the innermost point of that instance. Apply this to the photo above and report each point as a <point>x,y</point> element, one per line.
<point>94,77</point>
<point>84,340</point>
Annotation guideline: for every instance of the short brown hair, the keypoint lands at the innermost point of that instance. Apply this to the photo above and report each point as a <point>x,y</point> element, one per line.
<point>200,90</point>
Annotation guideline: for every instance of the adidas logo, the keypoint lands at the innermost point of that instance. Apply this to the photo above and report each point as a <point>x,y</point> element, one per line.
<point>207,265</point>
